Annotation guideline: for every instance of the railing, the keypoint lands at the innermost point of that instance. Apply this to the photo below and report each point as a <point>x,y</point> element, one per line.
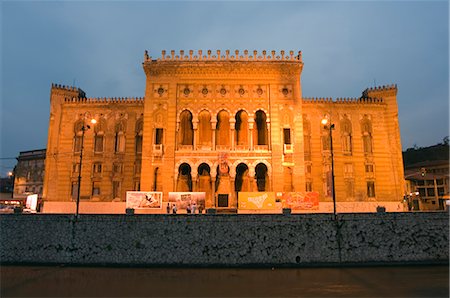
<point>157,149</point>
<point>288,148</point>
<point>261,148</point>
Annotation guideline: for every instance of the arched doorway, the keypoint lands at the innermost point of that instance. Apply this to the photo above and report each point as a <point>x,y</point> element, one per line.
<point>204,183</point>
<point>184,180</point>
<point>262,179</point>
<point>242,183</point>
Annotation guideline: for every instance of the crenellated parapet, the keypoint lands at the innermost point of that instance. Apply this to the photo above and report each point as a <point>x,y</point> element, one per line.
<point>346,100</point>
<point>103,100</point>
<point>317,100</point>
<point>226,56</point>
<point>70,89</point>
<point>380,91</point>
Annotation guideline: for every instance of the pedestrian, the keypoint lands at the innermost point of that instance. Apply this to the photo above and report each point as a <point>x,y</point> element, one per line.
<point>168,208</point>
<point>188,209</point>
<point>194,208</point>
<point>200,209</point>
<point>174,209</point>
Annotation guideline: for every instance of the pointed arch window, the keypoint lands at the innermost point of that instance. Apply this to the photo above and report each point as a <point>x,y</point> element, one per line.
<point>261,128</point>
<point>138,136</point>
<point>186,136</point>
<point>366,129</point>
<point>119,143</point>
<point>99,133</point>
<point>241,127</point>
<point>78,135</point>
<point>223,129</point>
<point>346,135</point>
<point>205,131</point>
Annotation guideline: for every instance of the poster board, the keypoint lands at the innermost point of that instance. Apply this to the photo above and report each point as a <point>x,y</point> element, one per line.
<point>256,200</point>
<point>31,203</point>
<point>144,200</point>
<point>300,200</point>
<point>183,199</point>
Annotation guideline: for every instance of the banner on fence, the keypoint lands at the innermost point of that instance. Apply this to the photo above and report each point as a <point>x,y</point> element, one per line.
<point>256,200</point>
<point>144,200</point>
<point>300,200</point>
<point>183,199</point>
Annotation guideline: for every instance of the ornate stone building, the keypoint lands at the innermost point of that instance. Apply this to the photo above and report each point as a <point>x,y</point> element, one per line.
<point>223,123</point>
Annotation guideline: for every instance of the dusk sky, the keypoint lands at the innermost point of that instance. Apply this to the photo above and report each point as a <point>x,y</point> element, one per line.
<point>99,46</point>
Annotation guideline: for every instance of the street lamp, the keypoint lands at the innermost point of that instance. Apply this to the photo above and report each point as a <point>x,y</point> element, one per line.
<point>330,127</point>
<point>83,129</point>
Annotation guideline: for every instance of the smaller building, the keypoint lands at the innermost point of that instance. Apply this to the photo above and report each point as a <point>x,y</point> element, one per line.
<point>29,174</point>
<point>6,188</point>
<point>427,185</point>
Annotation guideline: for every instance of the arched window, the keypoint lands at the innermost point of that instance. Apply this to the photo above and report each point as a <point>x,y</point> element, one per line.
<point>366,130</point>
<point>119,142</point>
<point>205,131</point>
<point>99,137</point>
<point>241,128</point>
<point>138,138</point>
<point>261,177</point>
<point>223,129</point>
<point>186,134</point>
<point>261,128</point>
<point>156,179</point>
<point>346,135</point>
<point>78,135</point>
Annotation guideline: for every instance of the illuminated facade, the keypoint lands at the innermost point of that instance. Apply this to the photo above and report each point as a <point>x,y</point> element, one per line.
<point>223,123</point>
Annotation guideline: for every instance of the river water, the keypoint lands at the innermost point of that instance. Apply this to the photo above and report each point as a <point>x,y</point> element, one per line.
<point>60,281</point>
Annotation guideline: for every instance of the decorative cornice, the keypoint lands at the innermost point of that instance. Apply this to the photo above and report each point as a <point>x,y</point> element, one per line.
<point>282,56</point>
<point>118,100</point>
<point>224,66</point>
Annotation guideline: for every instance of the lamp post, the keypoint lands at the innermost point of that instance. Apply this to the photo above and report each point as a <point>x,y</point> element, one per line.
<point>83,130</point>
<point>330,127</point>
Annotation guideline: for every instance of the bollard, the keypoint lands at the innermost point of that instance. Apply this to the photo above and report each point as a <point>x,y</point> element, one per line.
<point>287,211</point>
<point>381,209</point>
<point>211,211</point>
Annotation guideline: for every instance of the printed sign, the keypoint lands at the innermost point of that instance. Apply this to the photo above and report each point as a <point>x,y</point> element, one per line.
<point>300,200</point>
<point>183,199</point>
<point>256,200</point>
<point>144,200</point>
<point>31,202</point>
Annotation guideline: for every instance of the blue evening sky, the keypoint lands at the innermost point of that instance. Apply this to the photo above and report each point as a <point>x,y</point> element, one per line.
<point>98,46</point>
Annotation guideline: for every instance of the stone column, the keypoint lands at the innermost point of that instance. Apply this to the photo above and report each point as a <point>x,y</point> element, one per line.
<point>194,178</point>
<point>233,192</point>
<point>213,191</point>
<point>269,135</point>
<point>177,133</point>
<point>213,127</point>
<point>251,179</point>
<point>195,128</point>
<point>232,132</point>
<point>250,133</point>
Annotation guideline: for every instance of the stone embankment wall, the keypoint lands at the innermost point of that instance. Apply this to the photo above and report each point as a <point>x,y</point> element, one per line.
<point>225,240</point>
